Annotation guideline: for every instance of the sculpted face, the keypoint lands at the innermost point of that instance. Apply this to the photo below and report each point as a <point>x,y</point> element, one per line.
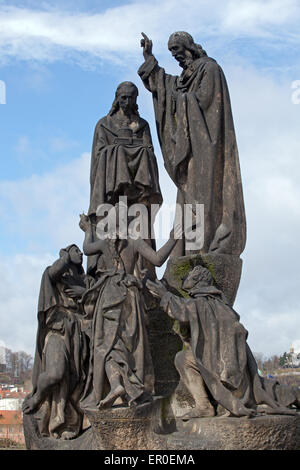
<point>196,276</point>
<point>76,255</point>
<point>127,99</point>
<point>179,52</point>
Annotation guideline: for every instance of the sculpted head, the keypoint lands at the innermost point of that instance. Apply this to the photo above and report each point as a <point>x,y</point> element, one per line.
<point>125,98</point>
<point>75,254</point>
<point>199,276</point>
<point>184,49</point>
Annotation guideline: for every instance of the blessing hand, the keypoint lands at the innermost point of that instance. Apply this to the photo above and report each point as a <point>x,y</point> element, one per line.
<point>146,44</point>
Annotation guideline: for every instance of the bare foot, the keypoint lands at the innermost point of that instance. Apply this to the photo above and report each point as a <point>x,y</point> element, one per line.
<point>111,397</point>
<point>199,413</point>
<point>280,410</point>
<point>68,435</point>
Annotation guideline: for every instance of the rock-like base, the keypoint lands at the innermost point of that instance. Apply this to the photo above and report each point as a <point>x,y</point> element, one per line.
<point>141,428</point>
<point>271,432</point>
<point>35,441</point>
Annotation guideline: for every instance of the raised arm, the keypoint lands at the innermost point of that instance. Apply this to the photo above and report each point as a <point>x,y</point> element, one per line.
<point>150,68</point>
<point>155,257</point>
<point>90,247</point>
<point>158,257</point>
<point>59,267</point>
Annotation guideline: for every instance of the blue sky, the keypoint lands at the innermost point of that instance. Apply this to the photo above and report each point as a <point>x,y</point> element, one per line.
<point>61,62</point>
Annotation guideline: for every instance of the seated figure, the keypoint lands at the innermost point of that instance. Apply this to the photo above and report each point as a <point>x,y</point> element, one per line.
<point>216,364</point>
<point>123,161</point>
<point>61,348</point>
<point>123,164</point>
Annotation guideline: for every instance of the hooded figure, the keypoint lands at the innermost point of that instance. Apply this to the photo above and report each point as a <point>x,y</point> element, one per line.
<point>217,365</point>
<point>197,138</point>
<point>59,365</point>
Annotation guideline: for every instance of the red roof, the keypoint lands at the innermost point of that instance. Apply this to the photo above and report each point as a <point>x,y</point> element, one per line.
<point>9,394</point>
<point>10,417</point>
<point>14,395</point>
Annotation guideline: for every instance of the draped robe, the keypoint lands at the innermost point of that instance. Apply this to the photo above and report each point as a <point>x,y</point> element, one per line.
<point>118,330</point>
<point>60,337</point>
<point>197,137</point>
<point>123,165</point>
<point>221,353</point>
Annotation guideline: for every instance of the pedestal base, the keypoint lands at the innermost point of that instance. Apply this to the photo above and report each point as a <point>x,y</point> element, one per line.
<point>141,428</point>
<point>260,433</point>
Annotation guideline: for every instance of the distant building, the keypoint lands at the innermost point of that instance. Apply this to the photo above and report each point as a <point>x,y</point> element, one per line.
<point>12,404</point>
<point>2,357</point>
<point>11,426</point>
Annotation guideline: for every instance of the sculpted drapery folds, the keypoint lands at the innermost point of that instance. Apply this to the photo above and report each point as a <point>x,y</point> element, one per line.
<point>197,137</point>
<point>120,362</point>
<point>59,370</point>
<point>217,365</point>
<point>123,161</point>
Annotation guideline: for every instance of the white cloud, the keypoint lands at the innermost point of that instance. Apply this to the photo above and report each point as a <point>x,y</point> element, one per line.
<point>267,126</point>
<point>43,212</point>
<point>114,34</point>
<point>46,208</point>
<point>19,290</point>
<point>255,16</point>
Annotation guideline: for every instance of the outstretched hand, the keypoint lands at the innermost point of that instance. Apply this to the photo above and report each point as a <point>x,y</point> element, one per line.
<point>156,288</point>
<point>146,44</point>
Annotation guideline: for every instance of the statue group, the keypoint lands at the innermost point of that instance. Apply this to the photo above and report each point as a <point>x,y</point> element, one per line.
<point>93,351</point>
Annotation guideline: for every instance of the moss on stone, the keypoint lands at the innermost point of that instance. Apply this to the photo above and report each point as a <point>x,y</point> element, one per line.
<point>179,270</point>
<point>210,267</point>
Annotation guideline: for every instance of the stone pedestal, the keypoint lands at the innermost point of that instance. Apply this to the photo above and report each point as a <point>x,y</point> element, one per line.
<point>271,432</point>
<point>124,428</point>
<point>144,428</point>
<point>164,344</point>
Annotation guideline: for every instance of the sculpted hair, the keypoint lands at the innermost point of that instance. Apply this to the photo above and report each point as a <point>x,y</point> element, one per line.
<point>202,274</point>
<point>187,40</point>
<point>115,105</point>
<point>67,250</point>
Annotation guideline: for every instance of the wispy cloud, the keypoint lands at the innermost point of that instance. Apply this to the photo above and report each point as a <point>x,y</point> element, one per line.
<point>19,297</point>
<point>52,34</point>
<point>43,211</point>
<point>46,208</point>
